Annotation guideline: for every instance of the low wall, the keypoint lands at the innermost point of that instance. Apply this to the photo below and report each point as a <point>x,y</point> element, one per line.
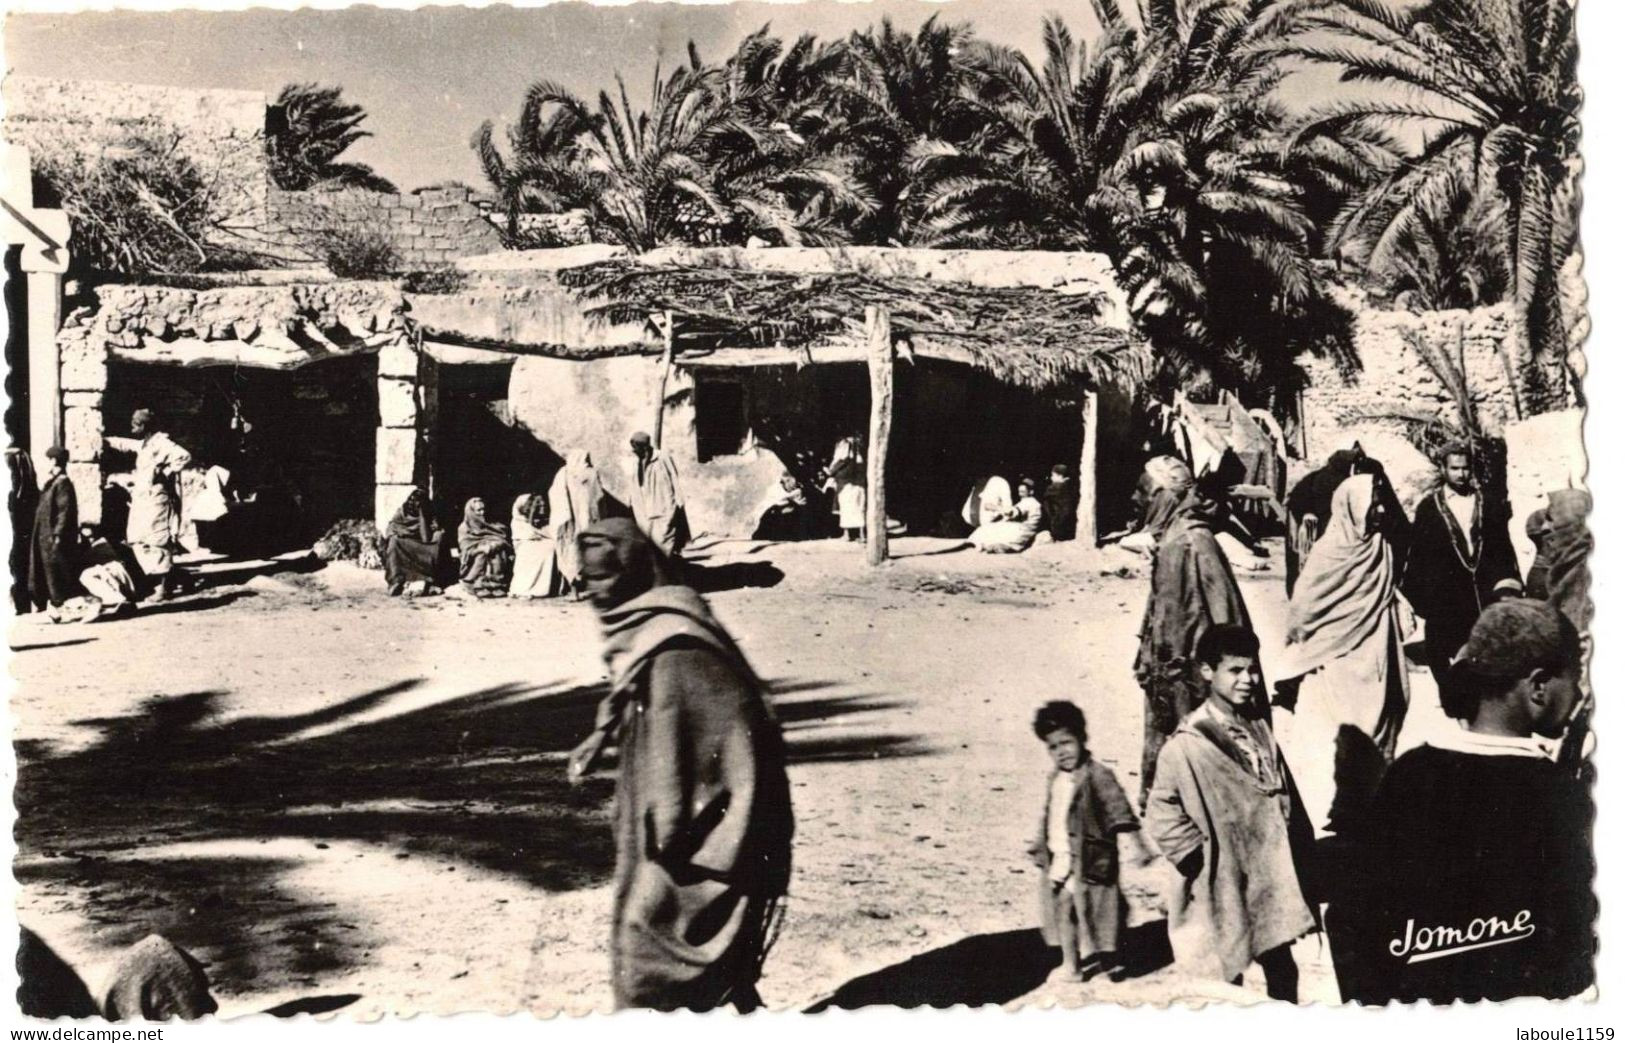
<point>429,229</point>
<point>1394,385</point>
<point>1395,388</point>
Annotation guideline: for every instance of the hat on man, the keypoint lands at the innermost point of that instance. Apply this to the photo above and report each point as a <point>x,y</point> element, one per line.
<point>1511,638</point>
<point>641,438</point>
<point>57,455</point>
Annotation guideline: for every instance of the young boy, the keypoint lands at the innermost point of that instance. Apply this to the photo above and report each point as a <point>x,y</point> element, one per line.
<point>1080,906</point>
<point>1473,878</point>
<point>1224,811</point>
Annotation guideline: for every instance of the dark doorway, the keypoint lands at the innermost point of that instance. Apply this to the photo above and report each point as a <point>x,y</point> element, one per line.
<point>300,444</point>
<point>479,450</point>
<point>16,350</point>
<point>951,425</point>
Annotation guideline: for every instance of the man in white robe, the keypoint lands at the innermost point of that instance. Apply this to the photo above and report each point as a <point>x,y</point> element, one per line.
<point>154,498</point>
<point>657,502</point>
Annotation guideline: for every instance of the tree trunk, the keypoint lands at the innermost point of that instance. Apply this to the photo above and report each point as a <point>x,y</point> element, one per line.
<point>1545,349</point>
<point>877,324</point>
<point>668,329</point>
<point>1088,474</point>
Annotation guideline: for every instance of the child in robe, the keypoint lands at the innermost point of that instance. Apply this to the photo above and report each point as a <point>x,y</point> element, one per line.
<point>1226,814</point>
<point>1080,903</point>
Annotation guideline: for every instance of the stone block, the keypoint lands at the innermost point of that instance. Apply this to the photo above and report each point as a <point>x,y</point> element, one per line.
<point>82,399</point>
<point>82,433</point>
<point>387,499</point>
<point>397,403</point>
<point>84,365</point>
<point>396,455</point>
<point>87,486</point>
<point>398,359</point>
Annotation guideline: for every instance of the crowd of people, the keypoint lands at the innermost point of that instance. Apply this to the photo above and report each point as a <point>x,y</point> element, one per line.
<point>1459,869</point>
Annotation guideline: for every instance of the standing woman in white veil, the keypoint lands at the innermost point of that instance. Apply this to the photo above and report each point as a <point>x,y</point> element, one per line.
<point>1345,637</point>
<point>575,501</point>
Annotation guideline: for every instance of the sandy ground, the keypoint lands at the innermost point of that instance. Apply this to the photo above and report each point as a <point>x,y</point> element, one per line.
<point>350,802</point>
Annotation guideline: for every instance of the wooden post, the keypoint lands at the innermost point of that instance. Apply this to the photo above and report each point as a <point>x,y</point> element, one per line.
<point>877,325</point>
<point>45,427</point>
<point>1088,517</point>
<point>668,329</point>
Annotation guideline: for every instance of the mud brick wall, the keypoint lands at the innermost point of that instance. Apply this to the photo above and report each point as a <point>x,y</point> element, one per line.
<point>429,229</point>
<point>571,228</point>
<point>1395,383</point>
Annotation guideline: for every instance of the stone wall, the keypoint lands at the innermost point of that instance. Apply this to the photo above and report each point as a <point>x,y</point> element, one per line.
<point>571,228</point>
<point>1395,389</point>
<point>277,328</point>
<point>429,229</point>
<point>221,131</point>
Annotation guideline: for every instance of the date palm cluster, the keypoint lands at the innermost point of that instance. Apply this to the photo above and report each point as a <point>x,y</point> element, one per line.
<point>1220,152</point>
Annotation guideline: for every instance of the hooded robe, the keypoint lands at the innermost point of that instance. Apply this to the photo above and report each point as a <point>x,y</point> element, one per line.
<point>1192,588</point>
<point>658,503</point>
<point>575,500</point>
<point>702,802</point>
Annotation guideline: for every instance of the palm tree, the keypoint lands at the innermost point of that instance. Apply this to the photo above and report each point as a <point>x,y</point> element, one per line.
<point>306,129</point>
<point>1031,179</point>
<point>1213,244</point>
<point>1492,84</point>
<point>696,166</point>
<point>544,174</point>
<point>905,93</point>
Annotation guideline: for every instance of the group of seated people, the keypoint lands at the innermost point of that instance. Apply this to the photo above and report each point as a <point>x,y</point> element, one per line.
<point>533,557</point>
<point>1003,525</point>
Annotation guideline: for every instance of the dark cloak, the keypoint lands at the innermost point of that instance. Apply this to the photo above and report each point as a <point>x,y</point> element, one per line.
<point>702,820</point>
<point>1449,585</point>
<point>1308,506</point>
<point>1192,588</point>
<point>53,569</point>
<point>413,547</point>
<point>1061,509</point>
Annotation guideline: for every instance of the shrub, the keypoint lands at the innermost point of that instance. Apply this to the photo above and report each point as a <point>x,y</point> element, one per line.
<point>352,540</point>
<point>353,250</point>
<point>137,204</point>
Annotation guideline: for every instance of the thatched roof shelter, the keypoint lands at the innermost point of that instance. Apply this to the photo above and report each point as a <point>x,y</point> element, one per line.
<point>1023,335</point>
<point>1035,320</point>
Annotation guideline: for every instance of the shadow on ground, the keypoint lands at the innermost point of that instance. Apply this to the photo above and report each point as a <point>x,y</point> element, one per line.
<point>478,778</point>
<point>981,969</point>
<point>985,969</point>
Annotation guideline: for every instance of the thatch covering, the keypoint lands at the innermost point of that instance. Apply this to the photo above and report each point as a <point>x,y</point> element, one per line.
<point>1030,336</point>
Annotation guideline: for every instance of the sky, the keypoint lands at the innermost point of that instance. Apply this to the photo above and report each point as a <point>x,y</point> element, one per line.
<point>429,77</point>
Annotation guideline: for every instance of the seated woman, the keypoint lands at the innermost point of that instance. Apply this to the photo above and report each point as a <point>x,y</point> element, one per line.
<point>535,560</point>
<point>413,548</point>
<point>1017,526</point>
<point>485,552</point>
<point>783,512</point>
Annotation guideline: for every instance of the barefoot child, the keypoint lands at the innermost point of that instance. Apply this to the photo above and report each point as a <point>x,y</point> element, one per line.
<point>1080,906</point>
<point>1224,811</point>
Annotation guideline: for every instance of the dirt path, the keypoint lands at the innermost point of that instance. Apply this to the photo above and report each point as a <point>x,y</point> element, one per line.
<point>327,793</point>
